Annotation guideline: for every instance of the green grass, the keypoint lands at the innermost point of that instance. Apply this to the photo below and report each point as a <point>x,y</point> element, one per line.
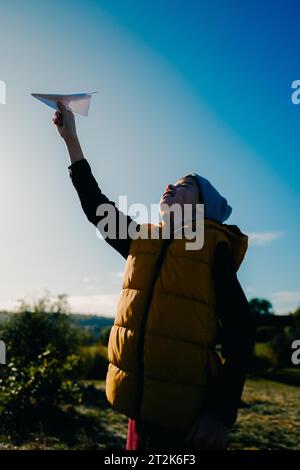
<point>268,419</point>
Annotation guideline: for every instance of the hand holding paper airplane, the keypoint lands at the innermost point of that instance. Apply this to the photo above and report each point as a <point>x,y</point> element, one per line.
<point>64,120</point>
<point>77,103</point>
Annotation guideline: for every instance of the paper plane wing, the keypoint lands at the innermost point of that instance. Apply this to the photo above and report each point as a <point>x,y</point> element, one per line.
<point>77,103</point>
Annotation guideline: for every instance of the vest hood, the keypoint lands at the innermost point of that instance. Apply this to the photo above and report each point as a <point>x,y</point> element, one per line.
<point>237,239</point>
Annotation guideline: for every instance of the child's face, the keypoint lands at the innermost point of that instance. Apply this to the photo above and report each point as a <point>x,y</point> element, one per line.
<point>184,191</point>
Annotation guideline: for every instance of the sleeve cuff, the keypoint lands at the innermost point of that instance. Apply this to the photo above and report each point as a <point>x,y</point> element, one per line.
<point>79,168</point>
<point>78,163</point>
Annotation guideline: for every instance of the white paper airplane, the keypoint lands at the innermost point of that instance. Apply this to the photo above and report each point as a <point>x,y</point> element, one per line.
<point>77,103</point>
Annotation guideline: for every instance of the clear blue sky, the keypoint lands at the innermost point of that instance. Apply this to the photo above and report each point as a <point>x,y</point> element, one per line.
<point>196,86</point>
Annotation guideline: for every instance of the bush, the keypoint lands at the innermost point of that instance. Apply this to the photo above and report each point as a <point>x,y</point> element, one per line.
<point>265,334</point>
<point>93,362</point>
<point>41,349</point>
<point>104,335</point>
<point>38,387</point>
<point>263,358</point>
<point>281,344</point>
<point>32,329</point>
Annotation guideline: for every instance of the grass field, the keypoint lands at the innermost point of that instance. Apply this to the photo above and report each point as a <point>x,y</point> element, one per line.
<point>269,419</point>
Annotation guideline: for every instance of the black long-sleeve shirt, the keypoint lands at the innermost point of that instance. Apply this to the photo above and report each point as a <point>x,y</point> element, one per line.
<point>236,320</point>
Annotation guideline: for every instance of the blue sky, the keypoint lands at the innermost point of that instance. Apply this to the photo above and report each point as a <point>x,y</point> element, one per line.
<point>197,86</point>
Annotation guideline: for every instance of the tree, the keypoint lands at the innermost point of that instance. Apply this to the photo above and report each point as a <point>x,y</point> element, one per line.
<point>261,306</point>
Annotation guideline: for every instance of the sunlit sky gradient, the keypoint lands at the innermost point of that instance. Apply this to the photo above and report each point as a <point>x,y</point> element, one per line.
<point>196,86</point>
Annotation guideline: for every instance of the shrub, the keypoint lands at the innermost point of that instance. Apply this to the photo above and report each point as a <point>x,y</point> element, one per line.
<point>29,332</point>
<point>264,358</point>
<point>41,350</point>
<point>36,388</point>
<point>281,344</point>
<point>93,362</point>
<point>104,335</point>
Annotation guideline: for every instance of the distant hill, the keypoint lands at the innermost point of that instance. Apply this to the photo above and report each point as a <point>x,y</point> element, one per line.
<point>93,324</point>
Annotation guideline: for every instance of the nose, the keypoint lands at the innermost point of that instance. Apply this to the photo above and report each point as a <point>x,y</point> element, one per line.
<point>169,186</point>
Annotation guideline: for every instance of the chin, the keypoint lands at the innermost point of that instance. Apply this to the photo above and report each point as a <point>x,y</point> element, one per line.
<point>166,202</point>
<point>167,199</point>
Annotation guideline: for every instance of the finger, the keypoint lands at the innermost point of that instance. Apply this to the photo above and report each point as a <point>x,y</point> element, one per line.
<point>57,115</point>
<point>61,107</point>
<point>57,121</point>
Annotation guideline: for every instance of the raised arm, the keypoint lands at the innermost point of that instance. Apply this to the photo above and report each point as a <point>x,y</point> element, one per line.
<point>90,195</point>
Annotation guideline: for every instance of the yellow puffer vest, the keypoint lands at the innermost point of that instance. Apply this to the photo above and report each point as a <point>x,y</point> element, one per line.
<point>161,347</point>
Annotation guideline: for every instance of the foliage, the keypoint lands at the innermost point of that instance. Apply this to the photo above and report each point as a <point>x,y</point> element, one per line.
<point>41,348</point>
<point>281,344</point>
<point>93,363</point>
<point>264,358</point>
<point>34,389</point>
<point>260,306</point>
<point>33,328</point>
<point>104,335</point>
